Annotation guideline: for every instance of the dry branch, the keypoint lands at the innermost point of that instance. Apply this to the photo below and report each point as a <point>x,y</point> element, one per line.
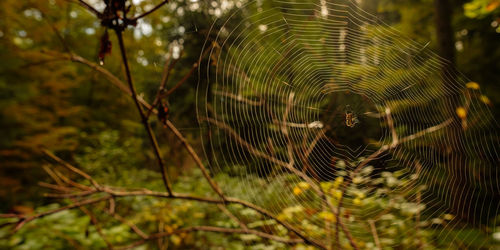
<point>117,192</point>
<point>89,8</point>
<point>144,119</point>
<point>25,219</point>
<point>150,11</point>
<point>373,228</point>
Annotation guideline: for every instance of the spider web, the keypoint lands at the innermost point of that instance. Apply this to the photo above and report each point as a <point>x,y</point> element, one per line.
<point>285,78</point>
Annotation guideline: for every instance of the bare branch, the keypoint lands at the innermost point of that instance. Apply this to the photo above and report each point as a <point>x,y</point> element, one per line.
<point>427,131</point>
<point>69,167</point>
<point>71,195</point>
<point>390,123</point>
<point>144,119</point>
<point>348,234</point>
<point>167,68</point>
<point>170,91</point>
<point>232,216</point>
<point>129,224</point>
<point>261,154</point>
<point>70,182</point>
<point>165,75</point>
<point>54,187</point>
<point>418,170</point>
<point>88,7</point>
<point>53,175</point>
<point>150,11</point>
<point>375,234</point>
<point>23,219</point>
<point>239,98</point>
<point>95,222</point>
<point>196,158</point>
<point>108,75</point>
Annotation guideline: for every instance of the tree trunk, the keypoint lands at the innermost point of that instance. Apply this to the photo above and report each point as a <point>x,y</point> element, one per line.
<point>445,38</point>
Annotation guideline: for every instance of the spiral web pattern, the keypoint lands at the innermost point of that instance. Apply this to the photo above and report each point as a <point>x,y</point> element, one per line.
<point>300,94</point>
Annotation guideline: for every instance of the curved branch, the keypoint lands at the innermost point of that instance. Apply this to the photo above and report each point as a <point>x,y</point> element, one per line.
<point>149,11</point>
<point>88,7</point>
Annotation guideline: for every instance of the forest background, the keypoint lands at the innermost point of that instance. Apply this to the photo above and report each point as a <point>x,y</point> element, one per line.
<point>72,111</point>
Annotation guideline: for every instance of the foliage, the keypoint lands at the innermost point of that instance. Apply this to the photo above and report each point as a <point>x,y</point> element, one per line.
<point>392,199</point>
<point>72,111</point>
<point>481,8</point>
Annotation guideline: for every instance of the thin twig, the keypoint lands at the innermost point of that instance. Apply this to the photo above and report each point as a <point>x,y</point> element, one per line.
<point>183,80</point>
<point>71,168</point>
<point>259,153</point>
<point>167,68</point>
<point>418,167</point>
<point>239,98</point>
<point>23,220</point>
<point>71,195</point>
<point>129,224</point>
<point>56,32</point>
<point>54,187</point>
<point>345,230</point>
<point>161,229</point>
<point>144,119</point>
<point>232,216</point>
<point>149,11</point>
<point>95,222</point>
<point>196,158</point>
<point>70,182</point>
<point>53,175</point>
<point>374,233</point>
<point>390,123</point>
<point>88,7</point>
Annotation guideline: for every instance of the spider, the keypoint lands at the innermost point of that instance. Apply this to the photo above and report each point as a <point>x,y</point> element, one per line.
<point>350,118</point>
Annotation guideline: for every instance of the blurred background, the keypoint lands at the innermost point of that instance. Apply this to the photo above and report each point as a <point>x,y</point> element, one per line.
<point>71,110</point>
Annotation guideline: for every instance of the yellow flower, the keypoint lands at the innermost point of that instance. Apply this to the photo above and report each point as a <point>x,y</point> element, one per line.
<point>360,195</point>
<point>304,185</point>
<point>338,181</point>
<point>325,186</point>
<point>297,191</point>
<point>336,194</point>
<point>300,188</point>
<point>327,216</point>
<point>485,99</point>
<point>175,239</point>
<point>472,85</point>
<point>461,112</point>
<point>357,201</point>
